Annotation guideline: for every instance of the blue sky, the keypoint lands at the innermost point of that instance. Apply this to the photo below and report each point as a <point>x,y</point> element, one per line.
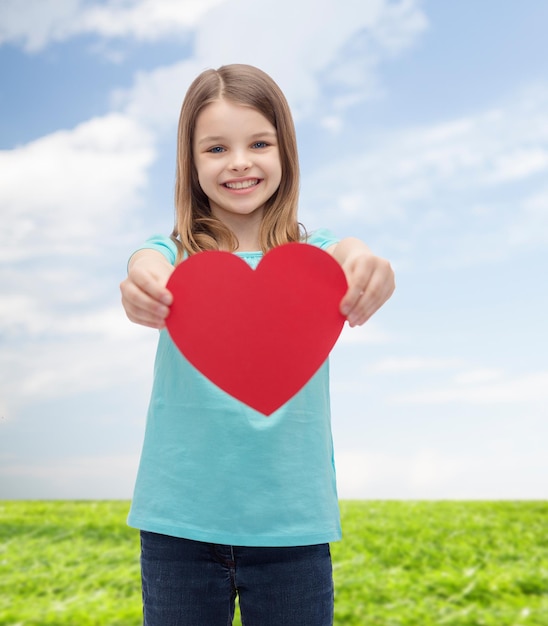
<point>423,130</point>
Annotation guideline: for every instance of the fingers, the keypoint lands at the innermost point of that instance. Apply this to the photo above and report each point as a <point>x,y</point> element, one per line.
<point>357,285</point>
<point>145,297</point>
<point>370,284</point>
<point>358,273</point>
<point>141,308</point>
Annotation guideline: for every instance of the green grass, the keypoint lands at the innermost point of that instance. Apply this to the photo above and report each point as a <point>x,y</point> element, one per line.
<point>442,563</point>
<point>400,564</point>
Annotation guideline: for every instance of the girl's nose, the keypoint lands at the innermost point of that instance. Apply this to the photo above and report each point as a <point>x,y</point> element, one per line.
<point>240,162</point>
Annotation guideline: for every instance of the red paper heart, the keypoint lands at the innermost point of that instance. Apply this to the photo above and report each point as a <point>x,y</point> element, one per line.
<point>259,335</point>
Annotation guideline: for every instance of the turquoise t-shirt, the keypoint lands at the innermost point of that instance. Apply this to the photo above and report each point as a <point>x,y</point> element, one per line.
<point>213,469</point>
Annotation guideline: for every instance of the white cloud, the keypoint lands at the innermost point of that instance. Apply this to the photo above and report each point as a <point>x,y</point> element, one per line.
<point>436,474</point>
<point>425,473</point>
<point>88,477</point>
<point>396,365</point>
<point>530,226</point>
<point>155,97</point>
<point>65,192</point>
<point>518,164</point>
<point>524,389</point>
<point>37,23</point>
<point>32,316</point>
<point>96,353</point>
<point>481,375</point>
<point>307,60</point>
<point>310,64</point>
<point>278,23</point>
<point>370,332</point>
<point>68,202</point>
<point>465,190</point>
<point>332,123</point>
<point>144,19</point>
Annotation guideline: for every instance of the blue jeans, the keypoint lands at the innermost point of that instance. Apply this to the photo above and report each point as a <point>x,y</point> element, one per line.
<point>190,583</point>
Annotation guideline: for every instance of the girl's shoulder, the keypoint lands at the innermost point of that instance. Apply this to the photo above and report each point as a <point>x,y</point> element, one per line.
<point>322,237</point>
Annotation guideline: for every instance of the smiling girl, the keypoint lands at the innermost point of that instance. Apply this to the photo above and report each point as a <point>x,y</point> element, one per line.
<point>228,502</point>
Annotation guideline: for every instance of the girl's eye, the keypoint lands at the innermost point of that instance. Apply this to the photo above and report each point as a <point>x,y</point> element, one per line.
<point>216,150</point>
<point>260,144</point>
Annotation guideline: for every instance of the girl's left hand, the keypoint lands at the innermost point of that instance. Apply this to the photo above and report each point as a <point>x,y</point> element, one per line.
<point>370,280</point>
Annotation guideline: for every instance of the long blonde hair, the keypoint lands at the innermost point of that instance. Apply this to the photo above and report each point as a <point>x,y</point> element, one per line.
<point>196,229</point>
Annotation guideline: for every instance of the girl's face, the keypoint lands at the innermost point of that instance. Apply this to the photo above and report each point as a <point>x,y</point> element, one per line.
<point>237,159</point>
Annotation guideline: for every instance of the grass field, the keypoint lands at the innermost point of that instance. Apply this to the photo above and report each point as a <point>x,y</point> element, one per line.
<point>400,564</point>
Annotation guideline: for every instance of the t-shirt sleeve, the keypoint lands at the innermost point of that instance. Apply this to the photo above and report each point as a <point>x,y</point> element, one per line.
<point>162,244</point>
<point>323,238</point>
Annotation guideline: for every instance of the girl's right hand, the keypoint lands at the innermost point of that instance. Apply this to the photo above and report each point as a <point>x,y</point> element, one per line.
<point>144,295</point>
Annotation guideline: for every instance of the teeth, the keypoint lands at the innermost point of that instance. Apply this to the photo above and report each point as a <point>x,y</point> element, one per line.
<point>244,184</point>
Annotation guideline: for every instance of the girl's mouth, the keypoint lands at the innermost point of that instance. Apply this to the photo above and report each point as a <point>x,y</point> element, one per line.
<point>243,184</point>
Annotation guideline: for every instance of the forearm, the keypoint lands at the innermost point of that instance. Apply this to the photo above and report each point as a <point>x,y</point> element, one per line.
<point>151,260</point>
<point>348,248</point>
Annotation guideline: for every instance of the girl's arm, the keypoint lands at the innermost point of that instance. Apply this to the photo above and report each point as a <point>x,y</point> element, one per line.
<point>370,280</point>
<point>144,294</point>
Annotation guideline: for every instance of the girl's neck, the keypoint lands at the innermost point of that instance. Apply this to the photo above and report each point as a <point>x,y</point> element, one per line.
<point>246,232</point>
<point>247,246</point>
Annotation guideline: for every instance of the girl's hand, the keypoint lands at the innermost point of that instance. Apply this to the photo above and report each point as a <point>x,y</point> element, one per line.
<point>144,295</point>
<point>370,280</point>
